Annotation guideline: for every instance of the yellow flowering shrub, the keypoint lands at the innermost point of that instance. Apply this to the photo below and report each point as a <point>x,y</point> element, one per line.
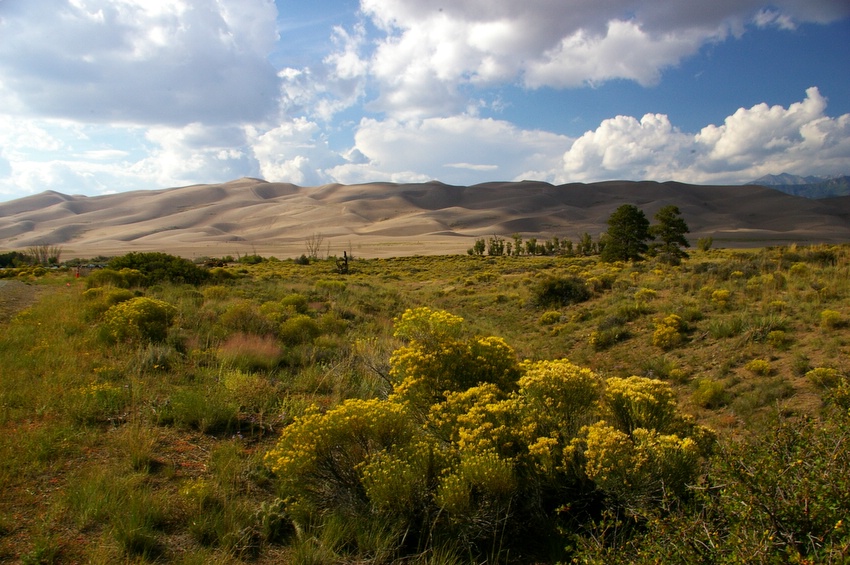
<point>478,490</point>
<point>831,319</point>
<point>721,297</point>
<point>99,299</point>
<point>320,457</point>
<point>475,444</point>
<point>438,359</point>
<point>428,326</point>
<point>639,467</point>
<point>139,319</point>
<point>644,294</point>
<point>639,402</point>
<point>759,367</point>
<point>668,330</point>
<point>97,402</point>
<point>476,420</point>
<point>799,270</point>
<point>610,456</point>
<point>825,377</point>
<point>562,396</point>
<point>398,481</point>
<point>550,317</point>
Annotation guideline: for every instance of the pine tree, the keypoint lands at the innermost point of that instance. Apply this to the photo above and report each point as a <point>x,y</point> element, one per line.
<point>628,232</point>
<point>669,234</point>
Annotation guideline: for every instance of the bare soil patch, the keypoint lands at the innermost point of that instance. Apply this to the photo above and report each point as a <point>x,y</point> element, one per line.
<point>14,297</point>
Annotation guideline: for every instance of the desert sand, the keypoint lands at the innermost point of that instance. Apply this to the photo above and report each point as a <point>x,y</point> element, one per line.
<point>249,216</point>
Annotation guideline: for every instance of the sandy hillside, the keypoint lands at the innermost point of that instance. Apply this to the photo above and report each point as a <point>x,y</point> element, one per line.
<point>384,219</point>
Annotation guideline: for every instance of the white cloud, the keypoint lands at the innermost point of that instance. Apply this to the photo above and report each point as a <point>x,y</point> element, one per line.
<point>455,150</point>
<point>625,51</point>
<point>142,62</point>
<point>624,147</point>
<point>753,142</point>
<point>195,153</point>
<point>293,152</point>
<point>429,51</point>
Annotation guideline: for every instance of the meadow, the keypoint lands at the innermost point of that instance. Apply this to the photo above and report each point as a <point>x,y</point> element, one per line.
<point>440,409</point>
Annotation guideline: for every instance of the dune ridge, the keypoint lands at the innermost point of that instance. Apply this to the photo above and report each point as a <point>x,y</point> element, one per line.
<point>381,219</point>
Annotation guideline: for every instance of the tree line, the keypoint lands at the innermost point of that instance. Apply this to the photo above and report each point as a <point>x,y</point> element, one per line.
<point>629,237</point>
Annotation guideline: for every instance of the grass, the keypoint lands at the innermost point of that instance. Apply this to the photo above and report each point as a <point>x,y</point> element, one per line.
<point>152,451</point>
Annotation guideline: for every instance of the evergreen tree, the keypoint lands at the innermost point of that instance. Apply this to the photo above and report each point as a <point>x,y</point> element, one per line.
<point>628,232</point>
<point>669,234</point>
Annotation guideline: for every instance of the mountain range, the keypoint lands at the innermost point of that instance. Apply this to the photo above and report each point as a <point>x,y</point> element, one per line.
<point>384,219</point>
<point>808,187</point>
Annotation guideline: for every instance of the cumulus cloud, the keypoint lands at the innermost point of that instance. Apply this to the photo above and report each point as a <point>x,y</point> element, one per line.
<point>195,153</point>
<point>431,49</point>
<point>752,142</point>
<point>295,152</point>
<point>141,62</point>
<point>453,149</point>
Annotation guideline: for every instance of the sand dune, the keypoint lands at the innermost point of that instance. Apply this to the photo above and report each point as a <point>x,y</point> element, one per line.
<point>381,219</point>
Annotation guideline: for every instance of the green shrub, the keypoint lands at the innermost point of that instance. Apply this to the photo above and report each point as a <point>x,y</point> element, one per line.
<point>710,394</point>
<point>125,278</point>
<point>604,337</point>
<point>300,328</point>
<point>297,302</point>
<point>778,339</point>
<point>139,319</point>
<point>726,327</point>
<point>100,299</point>
<point>633,310</point>
<point>244,316</point>
<point>207,411</point>
<point>331,287</point>
<point>159,267</point>
<point>216,292</point>
<point>559,291</point>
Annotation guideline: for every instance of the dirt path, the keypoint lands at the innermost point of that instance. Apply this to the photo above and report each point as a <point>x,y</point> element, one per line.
<point>15,296</point>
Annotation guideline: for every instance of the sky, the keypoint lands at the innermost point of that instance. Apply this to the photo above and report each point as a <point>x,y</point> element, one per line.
<point>105,96</point>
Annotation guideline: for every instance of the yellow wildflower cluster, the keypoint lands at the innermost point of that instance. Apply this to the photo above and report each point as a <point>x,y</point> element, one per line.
<point>721,297</point>
<point>645,294</point>
<point>643,463</point>
<point>759,367</point>
<point>486,475</point>
<point>561,395</point>
<point>466,419</point>
<point>668,330</point>
<point>826,377</point>
<point>426,325</point>
<point>139,319</point>
<point>433,364</point>
<point>639,402</point>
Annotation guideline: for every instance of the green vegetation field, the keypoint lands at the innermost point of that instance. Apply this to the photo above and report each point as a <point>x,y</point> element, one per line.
<point>455,409</point>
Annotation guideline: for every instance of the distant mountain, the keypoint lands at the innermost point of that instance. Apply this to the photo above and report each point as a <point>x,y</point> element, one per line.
<point>807,187</point>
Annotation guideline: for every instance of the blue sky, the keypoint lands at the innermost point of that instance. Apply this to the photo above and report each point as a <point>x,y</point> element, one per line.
<point>103,96</point>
